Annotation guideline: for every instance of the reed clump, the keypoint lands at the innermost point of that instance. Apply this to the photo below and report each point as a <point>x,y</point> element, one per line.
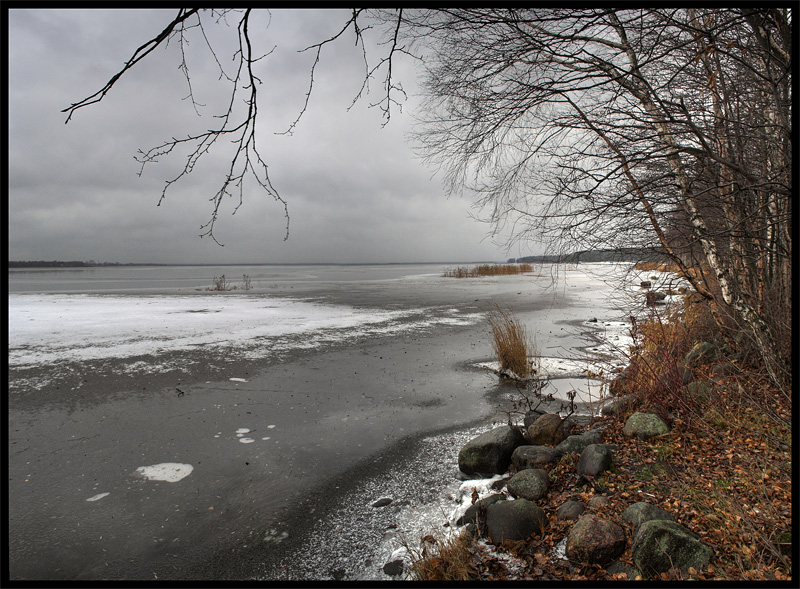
<point>451,559</point>
<point>487,270</point>
<point>510,342</point>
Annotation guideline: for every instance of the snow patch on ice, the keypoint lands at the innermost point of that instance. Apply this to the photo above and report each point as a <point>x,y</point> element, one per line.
<point>237,379</point>
<point>170,472</point>
<point>98,496</point>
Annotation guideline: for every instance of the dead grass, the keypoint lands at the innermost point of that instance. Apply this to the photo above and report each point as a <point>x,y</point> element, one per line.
<point>510,342</point>
<point>450,559</point>
<point>487,270</point>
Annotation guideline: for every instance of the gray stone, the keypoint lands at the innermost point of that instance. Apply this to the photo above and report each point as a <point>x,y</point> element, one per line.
<point>531,484</point>
<point>645,426</point>
<point>393,568</point>
<point>699,391</point>
<point>700,354</point>
<point>660,545</point>
<point>594,459</point>
<point>641,512</point>
<point>530,417</point>
<point>382,502</point>
<point>599,501</point>
<point>594,540</point>
<point>547,430</point>
<point>621,404</point>
<point>534,456</point>
<point>475,510</point>
<point>725,369</point>
<point>577,443</point>
<point>570,510</point>
<point>514,520</point>
<point>490,453</point>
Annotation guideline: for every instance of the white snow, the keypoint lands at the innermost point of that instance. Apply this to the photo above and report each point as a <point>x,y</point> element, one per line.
<point>48,328</point>
<point>170,472</point>
<point>98,496</point>
<point>237,379</point>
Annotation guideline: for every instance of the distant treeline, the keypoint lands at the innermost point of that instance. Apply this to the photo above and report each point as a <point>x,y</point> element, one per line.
<point>60,264</point>
<point>615,255</point>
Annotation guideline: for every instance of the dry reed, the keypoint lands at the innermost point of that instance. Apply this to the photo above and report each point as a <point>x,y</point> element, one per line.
<point>487,270</point>
<point>510,342</point>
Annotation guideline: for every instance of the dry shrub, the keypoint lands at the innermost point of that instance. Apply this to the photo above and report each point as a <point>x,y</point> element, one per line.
<point>487,270</point>
<point>450,559</point>
<point>510,342</point>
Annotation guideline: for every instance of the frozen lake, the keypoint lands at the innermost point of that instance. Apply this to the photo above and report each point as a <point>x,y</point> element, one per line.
<point>162,430</point>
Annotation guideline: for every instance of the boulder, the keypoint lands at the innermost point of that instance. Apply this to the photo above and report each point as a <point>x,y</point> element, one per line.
<point>577,443</point>
<point>393,568</point>
<point>641,512</point>
<point>478,509</point>
<point>514,520</point>
<point>700,354</point>
<point>570,509</point>
<point>530,417</point>
<point>621,404</point>
<point>594,459</point>
<point>534,456</point>
<point>593,540</point>
<point>547,430</point>
<point>699,391</point>
<point>654,296</point>
<point>725,369</point>
<point>599,501</point>
<point>490,453</point>
<point>660,545</point>
<point>645,426</point>
<point>531,484</point>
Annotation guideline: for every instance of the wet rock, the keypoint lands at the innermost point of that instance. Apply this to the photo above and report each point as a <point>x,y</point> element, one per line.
<point>660,545</point>
<point>641,512</point>
<point>570,510</point>
<point>594,459</point>
<point>474,511</point>
<point>531,484</point>
<point>534,456</point>
<point>499,484</point>
<point>547,430</point>
<point>530,417</point>
<point>645,426</point>
<point>577,443</point>
<point>392,569</point>
<point>594,540</point>
<point>514,520</point>
<point>338,574</point>
<point>490,453</point>
<point>383,501</point>
<point>700,354</point>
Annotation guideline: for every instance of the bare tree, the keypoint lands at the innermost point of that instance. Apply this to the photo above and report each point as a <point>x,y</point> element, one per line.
<point>664,128</point>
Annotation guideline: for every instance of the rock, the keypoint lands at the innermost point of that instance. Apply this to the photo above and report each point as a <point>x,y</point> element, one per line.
<point>393,568</point>
<point>547,430</point>
<point>621,404</point>
<point>725,369</point>
<point>577,443</point>
<point>641,512</point>
<point>514,520</point>
<point>339,574</point>
<point>618,566</point>
<point>686,374</point>
<point>594,540</point>
<point>594,459</point>
<point>598,501</point>
<point>534,456</point>
<point>383,501</point>
<point>499,484</point>
<point>699,391</point>
<point>490,453</point>
<point>645,426</point>
<point>593,320</point>
<point>531,484</point>
<point>702,353</point>
<point>475,510</point>
<point>570,510</point>
<point>530,417</point>
<point>660,545</point>
<point>645,284</point>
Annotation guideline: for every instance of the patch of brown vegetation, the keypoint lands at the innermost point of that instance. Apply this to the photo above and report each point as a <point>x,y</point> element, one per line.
<point>487,270</point>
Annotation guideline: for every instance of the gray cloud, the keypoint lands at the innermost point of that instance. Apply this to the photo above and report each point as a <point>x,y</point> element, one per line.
<point>355,191</point>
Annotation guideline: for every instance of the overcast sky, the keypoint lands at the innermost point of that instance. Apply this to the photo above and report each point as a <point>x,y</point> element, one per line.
<point>356,192</point>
